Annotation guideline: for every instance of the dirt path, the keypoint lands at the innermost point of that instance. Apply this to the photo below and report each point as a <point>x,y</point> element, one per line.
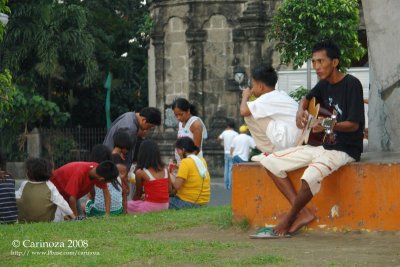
<point>308,248</point>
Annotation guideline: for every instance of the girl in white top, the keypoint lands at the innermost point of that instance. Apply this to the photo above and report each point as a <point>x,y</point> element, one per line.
<point>189,124</point>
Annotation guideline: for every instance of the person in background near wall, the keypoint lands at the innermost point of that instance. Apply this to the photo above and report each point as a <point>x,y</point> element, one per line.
<point>344,94</point>
<point>271,117</point>
<point>8,205</point>
<point>189,124</point>
<point>241,145</point>
<point>227,137</point>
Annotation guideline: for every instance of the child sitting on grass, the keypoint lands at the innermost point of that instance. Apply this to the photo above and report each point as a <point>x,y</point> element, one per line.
<point>151,180</point>
<point>192,183</point>
<point>38,199</point>
<point>118,190</point>
<point>8,205</point>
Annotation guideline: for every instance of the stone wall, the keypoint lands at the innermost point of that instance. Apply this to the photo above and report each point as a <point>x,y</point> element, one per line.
<point>195,47</point>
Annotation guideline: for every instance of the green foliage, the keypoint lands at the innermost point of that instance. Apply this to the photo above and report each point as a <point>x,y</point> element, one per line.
<point>58,149</point>
<point>263,260</point>
<point>299,93</point>
<point>63,51</point>
<point>25,111</point>
<point>48,42</point>
<point>5,10</point>
<point>298,25</point>
<point>30,109</point>
<point>7,95</point>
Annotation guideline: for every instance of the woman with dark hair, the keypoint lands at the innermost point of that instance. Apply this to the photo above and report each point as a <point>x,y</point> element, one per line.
<point>151,180</point>
<point>189,124</point>
<point>192,183</point>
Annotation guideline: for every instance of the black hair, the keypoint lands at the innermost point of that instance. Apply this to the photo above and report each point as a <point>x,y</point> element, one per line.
<point>332,50</point>
<point>107,170</point>
<point>149,156</point>
<point>230,123</point>
<point>122,139</point>
<point>266,74</point>
<point>187,144</point>
<point>3,171</point>
<point>100,153</point>
<point>184,105</point>
<point>38,169</point>
<point>152,115</point>
<point>139,141</point>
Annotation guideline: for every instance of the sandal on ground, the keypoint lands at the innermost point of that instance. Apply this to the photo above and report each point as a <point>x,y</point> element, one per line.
<point>267,233</point>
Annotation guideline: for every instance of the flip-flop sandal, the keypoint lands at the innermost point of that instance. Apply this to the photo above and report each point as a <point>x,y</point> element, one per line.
<point>267,233</point>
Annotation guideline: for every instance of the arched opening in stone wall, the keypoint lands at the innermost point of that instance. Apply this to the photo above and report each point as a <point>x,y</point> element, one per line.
<point>175,60</point>
<point>218,57</point>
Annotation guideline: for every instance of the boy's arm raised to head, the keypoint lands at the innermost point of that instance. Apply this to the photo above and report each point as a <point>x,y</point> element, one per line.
<point>244,108</point>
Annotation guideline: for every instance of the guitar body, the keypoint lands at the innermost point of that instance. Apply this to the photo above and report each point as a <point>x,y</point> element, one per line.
<point>315,139</point>
<point>315,111</point>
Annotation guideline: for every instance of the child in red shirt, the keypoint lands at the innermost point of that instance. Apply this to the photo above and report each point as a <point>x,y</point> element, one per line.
<point>76,179</point>
<point>151,181</point>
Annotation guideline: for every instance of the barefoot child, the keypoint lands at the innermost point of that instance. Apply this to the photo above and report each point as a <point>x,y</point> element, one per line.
<point>38,199</point>
<point>151,180</point>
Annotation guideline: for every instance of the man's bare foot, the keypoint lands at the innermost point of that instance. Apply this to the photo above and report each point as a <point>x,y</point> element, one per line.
<point>304,217</point>
<point>283,227</point>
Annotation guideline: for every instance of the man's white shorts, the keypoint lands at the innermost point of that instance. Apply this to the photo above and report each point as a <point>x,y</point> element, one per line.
<point>320,162</point>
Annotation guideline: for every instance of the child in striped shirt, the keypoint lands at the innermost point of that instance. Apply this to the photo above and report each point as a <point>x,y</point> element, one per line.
<point>8,206</point>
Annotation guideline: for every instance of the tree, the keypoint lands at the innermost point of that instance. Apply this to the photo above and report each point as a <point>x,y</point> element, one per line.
<point>3,9</point>
<point>298,25</point>
<point>48,42</point>
<point>64,49</point>
<point>7,95</point>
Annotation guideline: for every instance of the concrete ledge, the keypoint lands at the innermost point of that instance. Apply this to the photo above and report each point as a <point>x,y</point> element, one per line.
<point>359,196</point>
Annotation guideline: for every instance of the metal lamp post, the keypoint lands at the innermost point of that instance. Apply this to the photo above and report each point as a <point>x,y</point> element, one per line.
<point>239,75</point>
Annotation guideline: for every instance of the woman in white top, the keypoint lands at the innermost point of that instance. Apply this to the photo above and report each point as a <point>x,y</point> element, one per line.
<point>189,124</point>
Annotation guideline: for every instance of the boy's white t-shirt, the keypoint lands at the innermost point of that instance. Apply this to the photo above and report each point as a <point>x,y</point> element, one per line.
<point>241,145</point>
<point>227,136</point>
<point>282,109</point>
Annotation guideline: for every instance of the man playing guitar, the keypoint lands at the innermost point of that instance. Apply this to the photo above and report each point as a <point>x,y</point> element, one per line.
<point>343,93</point>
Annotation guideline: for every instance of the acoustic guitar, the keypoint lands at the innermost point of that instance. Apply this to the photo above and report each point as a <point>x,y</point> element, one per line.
<point>317,114</point>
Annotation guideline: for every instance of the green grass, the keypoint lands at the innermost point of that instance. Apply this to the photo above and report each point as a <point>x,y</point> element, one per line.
<point>124,240</point>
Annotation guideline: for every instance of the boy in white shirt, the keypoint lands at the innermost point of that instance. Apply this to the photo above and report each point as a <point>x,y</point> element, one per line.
<point>271,117</point>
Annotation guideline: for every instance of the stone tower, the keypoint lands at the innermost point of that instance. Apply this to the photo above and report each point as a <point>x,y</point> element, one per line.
<point>196,45</point>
